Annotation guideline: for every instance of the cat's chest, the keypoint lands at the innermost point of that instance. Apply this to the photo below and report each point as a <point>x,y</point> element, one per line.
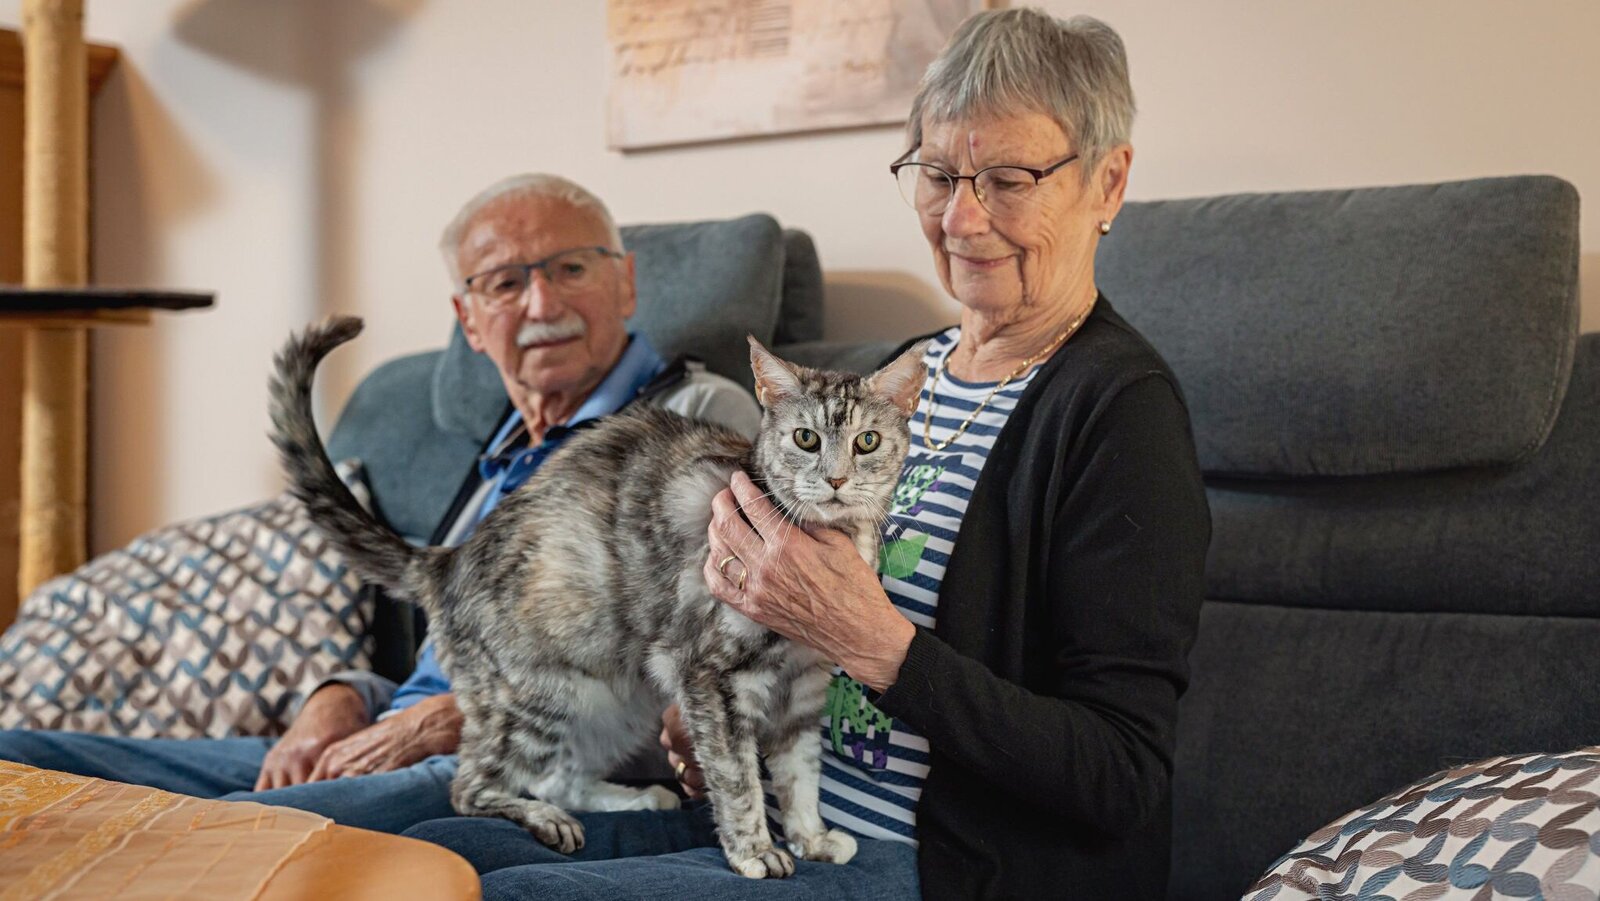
<point>757,690</point>
<point>866,541</point>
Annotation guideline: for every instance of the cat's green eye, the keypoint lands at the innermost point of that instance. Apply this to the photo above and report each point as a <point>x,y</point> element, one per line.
<point>867,442</point>
<point>806,440</point>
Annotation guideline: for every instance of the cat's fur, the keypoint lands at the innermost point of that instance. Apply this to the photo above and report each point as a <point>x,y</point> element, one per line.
<point>578,608</point>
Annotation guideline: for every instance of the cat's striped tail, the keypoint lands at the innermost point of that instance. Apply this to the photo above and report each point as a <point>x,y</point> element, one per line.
<point>376,551</point>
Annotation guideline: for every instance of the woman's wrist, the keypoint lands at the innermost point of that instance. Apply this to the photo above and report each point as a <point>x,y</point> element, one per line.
<point>878,667</point>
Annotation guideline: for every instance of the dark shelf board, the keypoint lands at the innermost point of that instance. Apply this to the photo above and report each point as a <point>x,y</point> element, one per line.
<point>45,301</point>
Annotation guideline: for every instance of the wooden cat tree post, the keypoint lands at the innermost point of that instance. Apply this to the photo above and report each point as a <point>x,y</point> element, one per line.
<point>54,306</point>
<point>55,229</point>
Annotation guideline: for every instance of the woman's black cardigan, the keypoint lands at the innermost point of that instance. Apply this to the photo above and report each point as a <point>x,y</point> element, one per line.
<point>1048,690</point>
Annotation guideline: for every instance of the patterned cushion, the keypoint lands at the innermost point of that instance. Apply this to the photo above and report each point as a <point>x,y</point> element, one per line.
<point>211,628</point>
<point>1507,827</point>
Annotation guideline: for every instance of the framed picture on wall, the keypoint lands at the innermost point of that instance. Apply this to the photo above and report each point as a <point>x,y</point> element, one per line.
<point>688,71</point>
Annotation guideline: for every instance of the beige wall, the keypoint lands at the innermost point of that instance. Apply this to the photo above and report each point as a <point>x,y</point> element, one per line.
<point>299,156</point>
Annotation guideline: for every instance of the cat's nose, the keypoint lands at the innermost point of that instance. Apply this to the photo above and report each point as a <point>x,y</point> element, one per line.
<point>837,483</point>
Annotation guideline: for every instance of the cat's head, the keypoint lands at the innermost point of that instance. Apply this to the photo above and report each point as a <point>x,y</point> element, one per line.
<point>831,443</point>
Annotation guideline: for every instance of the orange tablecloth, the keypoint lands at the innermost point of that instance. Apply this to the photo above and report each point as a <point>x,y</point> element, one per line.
<point>71,837</point>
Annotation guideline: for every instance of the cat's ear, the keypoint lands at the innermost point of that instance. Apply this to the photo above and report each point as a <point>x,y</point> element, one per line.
<point>775,379</point>
<point>900,382</point>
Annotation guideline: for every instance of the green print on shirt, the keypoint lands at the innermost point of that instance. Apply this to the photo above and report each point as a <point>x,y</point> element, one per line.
<point>859,731</point>
<point>898,559</point>
<point>913,484</point>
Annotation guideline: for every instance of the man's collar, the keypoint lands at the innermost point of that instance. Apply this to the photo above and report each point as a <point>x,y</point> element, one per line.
<point>638,365</point>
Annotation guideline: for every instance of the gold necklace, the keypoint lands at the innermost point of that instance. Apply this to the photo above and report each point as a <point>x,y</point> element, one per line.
<point>927,421</point>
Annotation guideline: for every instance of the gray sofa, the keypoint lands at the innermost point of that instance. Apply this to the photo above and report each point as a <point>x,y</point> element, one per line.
<point>1400,429</point>
<point>1398,425</point>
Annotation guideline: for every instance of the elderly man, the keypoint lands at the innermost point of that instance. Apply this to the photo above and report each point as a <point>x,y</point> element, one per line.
<point>543,287</point>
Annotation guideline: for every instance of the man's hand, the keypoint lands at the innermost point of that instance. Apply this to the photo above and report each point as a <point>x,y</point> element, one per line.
<point>431,726</point>
<point>333,712</point>
<point>680,753</point>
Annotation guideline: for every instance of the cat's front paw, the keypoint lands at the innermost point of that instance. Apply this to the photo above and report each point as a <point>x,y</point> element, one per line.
<point>556,828</point>
<point>764,863</point>
<point>833,846</point>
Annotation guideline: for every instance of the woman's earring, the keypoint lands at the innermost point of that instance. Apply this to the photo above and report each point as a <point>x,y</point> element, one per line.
<point>1105,227</point>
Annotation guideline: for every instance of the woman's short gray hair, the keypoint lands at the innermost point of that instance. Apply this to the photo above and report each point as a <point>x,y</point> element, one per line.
<point>1010,61</point>
<point>529,185</point>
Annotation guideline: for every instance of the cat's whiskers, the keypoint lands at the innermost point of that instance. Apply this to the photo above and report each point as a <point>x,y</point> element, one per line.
<point>885,510</point>
<point>767,520</point>
<point>880,522</point>
<point>777,503</point>
<point>783,536</point>
<point>777,541</point>
<point>762,523</point>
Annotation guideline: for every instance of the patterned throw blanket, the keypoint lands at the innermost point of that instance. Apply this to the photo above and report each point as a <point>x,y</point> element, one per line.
<point>1526,826</point>
<point>210,628</point>
<point>69,837</point>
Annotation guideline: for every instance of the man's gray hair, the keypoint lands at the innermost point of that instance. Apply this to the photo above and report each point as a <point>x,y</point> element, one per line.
<point>527,186</point>
<point>1012,61</point>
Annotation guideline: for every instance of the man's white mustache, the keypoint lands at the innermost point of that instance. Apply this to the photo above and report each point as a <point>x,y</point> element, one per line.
<point>570,326</point>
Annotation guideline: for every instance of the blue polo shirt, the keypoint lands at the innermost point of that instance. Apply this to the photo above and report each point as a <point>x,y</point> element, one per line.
<point>508,461</point>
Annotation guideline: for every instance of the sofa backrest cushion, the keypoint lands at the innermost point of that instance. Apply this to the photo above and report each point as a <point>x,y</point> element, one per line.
<point>1358,332</point>
<point>1497,540</point>
<point>800,310</point>
<point>414,466</point>
<point>704,286</point>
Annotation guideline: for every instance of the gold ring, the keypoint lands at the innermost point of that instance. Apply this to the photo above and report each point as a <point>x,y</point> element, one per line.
<point>722,567</point>
<point>682,765</point>
<point>740,584</point>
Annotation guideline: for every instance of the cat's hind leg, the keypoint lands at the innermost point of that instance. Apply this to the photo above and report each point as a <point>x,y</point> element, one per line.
<point>488,782</point>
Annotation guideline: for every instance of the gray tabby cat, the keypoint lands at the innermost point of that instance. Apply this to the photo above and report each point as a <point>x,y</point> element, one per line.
<point>578,610</point>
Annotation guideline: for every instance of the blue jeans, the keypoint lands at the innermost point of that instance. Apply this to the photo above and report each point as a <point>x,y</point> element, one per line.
<point>226,768</point>
<point>657,855</point>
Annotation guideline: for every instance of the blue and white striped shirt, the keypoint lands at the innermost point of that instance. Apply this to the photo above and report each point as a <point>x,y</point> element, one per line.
<point>873,765</point>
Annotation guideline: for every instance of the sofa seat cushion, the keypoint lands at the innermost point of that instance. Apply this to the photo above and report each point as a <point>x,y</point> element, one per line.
<point>212,628</point>
<point>1518,827</point>
<point>1295,716</point>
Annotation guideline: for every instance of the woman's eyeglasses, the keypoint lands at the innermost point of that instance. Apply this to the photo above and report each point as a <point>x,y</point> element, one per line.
<point>1002,190</point>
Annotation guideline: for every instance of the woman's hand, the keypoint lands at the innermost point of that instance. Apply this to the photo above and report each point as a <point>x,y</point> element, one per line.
<point>430,726</point>
<point>333,712</point>
<point>810,586</point>
<point>680,753</point>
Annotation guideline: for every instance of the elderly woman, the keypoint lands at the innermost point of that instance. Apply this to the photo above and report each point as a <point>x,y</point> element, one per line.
<point>1020,655</point>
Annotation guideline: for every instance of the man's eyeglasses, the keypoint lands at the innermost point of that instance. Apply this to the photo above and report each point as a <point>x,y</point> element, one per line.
<point>1002,190</point>
<point>574,270</point>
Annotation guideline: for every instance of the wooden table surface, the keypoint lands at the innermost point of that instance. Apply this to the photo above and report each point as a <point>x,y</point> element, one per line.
<point>341,862</point>
<point>74,837</point>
